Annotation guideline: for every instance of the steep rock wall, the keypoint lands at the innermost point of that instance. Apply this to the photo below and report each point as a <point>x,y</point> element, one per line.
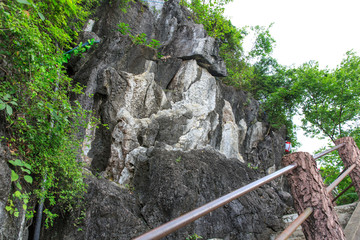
<point>176,137</point>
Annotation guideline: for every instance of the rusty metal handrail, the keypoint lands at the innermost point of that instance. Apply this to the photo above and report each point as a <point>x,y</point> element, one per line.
<point>295,224</point>
<point>303,216</point>
<point>316,156</point>
<point>339,179</point>
<point>344,191</point>
<point>189,217</point>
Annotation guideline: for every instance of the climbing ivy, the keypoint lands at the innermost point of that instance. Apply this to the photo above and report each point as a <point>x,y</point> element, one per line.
<point>41,121</point>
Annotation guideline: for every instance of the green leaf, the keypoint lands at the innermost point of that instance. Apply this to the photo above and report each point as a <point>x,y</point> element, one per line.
<point>26,170</point>
<point>23,2</point>
<point>2,106</point>
<point>41,16</point>
<point>17,162</point>
<point>8,208</point>
<point>18,185</point>
<point>7,97</point>
<point>27,165</point>
<point>28,179</point>
<point>17,194</point>
<point>14,176</point>
<point>9,110</point>
<point>24,207</point>
<point>16,214</point>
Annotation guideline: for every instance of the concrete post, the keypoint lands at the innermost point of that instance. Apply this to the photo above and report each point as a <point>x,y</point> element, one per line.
<point>350,154</point>
<point>308,190</point>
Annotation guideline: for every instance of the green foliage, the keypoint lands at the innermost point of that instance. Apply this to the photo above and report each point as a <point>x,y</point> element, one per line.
<point>78,51</point>
<point>49,220</point>
<point>42,122</point>
<point>130,188</point>
<point>34,6</point>
<point>249,165</point>
<point>264,43</point>
<point>154,44</point>
<point>7,103</point>
<point>210,14</point>
<point>139,39</point>
<point>24,167</point>
<point>330,99</point>
<point>24,170</point>
<point>124,5</point>
<point>193,237</point>
<point>124,28</point>
<point>331,168</point>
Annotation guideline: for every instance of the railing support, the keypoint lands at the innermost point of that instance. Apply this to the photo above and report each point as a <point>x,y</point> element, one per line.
<point>350,154</point>
<point>308,190</point>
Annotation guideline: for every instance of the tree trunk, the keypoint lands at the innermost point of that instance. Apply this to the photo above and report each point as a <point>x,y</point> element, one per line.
<point>308,190</point>
<point>350,154</point>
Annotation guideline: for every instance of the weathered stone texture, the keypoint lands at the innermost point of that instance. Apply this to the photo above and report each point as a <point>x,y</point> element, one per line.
<point>111,213</point>
<point>172,183</point>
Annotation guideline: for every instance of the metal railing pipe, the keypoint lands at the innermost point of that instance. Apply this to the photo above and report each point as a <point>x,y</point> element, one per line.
<point>189,217</point>
<point>295,224</point>
<point>339,179</point>
<point>316,156</point>
<point>344,191</point>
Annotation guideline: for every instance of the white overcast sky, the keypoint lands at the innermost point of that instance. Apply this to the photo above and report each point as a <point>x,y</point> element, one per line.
<point>321,30</point>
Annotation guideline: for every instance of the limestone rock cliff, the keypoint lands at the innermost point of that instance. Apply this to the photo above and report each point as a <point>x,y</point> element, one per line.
<point>176,137</point>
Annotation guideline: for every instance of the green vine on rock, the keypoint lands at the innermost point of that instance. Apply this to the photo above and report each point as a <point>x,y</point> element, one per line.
<point>42,124</point>
<point>23,171</point>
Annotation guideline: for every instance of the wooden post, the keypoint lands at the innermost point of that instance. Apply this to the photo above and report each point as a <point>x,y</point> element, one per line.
<point>308,190</point>
<point>350,154</point>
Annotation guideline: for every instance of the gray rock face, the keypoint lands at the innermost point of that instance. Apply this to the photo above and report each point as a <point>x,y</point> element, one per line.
<point>5,186</point>
<point>176,139</point>
<point>172,183</point>
<point>111,213</point>
<point>167,184</point>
